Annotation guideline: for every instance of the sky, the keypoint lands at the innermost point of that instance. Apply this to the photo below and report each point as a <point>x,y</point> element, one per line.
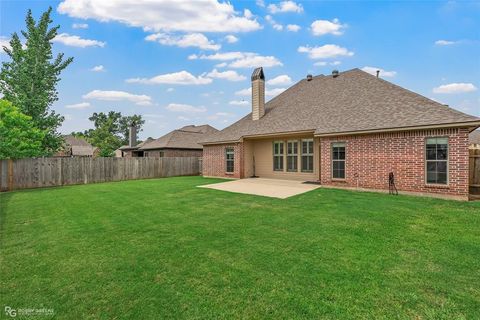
<point>189,62</point>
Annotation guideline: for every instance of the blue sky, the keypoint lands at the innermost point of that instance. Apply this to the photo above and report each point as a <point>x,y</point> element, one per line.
<point>189,62</point>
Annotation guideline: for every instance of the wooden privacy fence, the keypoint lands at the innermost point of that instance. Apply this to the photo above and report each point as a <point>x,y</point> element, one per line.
<point>49,172</point>
<point>474,165</point>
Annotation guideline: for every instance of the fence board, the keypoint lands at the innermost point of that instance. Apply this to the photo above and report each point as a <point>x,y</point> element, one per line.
<point>474,176</point>
<point>48,172</point>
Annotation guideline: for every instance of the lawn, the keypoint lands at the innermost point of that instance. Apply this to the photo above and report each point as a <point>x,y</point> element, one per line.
<point>155,249</point>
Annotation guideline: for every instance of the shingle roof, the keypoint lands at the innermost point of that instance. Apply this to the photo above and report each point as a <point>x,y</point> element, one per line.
<point>353,101</point>
<point>79,146</point>
<point>187,137</point>
<point>474,137</point>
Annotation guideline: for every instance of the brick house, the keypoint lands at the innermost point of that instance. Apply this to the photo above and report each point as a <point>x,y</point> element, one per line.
<point>183,142</point>
<point>347,130</point>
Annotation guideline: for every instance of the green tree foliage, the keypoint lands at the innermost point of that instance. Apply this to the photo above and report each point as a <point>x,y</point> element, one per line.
<point>111,131</point>
<point>28,80</point>
<point>18,136</point>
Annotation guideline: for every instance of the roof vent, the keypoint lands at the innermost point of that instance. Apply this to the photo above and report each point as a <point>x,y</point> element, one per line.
<point>309,77</point>
<point>335,73</point>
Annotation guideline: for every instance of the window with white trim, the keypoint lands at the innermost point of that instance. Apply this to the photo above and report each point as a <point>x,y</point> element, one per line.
<point>307,155</point>
<point>278,153</point>
<point>338,160</point>
<point>229,160</point>
<point>436,154</point>
<point>292,156</point>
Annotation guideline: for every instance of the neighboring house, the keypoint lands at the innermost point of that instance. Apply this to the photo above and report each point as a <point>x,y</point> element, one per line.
<point>348,129</point>
<point>76,147</point>
<point>183,142</point>
<point>474,139</point>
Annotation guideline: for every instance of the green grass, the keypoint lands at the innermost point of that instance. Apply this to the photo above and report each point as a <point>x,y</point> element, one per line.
<point>157,249</point>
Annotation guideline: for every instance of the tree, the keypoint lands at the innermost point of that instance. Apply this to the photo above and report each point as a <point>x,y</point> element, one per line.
<point>18,136</point>
<point>111,131</point>
<point>29,79</point>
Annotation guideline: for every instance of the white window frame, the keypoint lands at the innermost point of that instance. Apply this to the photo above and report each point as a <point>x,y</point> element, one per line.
<point>227,152</point>
<point>282,155</point>
<point>338,160</point>
<point>308,154</point>
<point>292,155</point>
<point>447,162</point>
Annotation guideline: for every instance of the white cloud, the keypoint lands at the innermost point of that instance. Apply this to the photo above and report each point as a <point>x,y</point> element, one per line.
<point>189,40</point>
<point>229,75</point>
<point>253,61</point>
<point>260,3</point>
<point>244,92</point>
<point>280,80</point>
<point>80,26</point>
<point>225,56</point>
<point>143,100</point>
<point>293,27</point>
<point>324,63</point>
<point>274,92</point>
<point>285,6</point>
<point>185,108</point>
<point>455,88</point>
<point>322,27</point>
<point>182,118</point>
<point>220,115</point>
<point>274,24</point>
<point>444,42</point>
<point>170,90</point>
<point>241,59</point>
<point>182,78</point>
<point>164,15</point>
<point>231,38</point>
<point>98,68</point>
<point>325,51</point>
<point>221,65</point>
<point>4,42</point>
<point>383,73</point>
<point>81,105</point>
<point>239,103</point>
<point>336,63</point>
<point>76,41</point>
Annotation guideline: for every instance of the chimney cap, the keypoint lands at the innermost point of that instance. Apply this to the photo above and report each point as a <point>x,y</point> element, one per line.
<point>258,74</point>
<point>309,77</point>
<point>378,73</point>
<point>335,73</point>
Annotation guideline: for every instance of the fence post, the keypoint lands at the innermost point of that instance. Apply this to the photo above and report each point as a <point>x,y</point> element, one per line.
<point>10,175</point>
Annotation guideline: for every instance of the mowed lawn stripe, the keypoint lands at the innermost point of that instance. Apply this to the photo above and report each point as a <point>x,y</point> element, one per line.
<point>163,248</point>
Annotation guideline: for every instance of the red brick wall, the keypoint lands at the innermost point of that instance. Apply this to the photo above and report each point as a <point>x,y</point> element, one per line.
<point>214,164</point>
<point>370,158</point>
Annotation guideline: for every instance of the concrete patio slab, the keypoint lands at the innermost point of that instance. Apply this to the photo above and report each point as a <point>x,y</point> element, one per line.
<point>274,188</point>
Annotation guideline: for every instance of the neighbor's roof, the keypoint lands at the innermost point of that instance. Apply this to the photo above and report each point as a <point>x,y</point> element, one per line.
<point>354,101</point>
<point>141,144</point>
<point>187,137</point>
<point>80,147</point>
<point>474,137</point>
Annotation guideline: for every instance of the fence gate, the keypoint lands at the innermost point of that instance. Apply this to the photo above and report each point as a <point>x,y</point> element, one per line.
<point>474,177</point>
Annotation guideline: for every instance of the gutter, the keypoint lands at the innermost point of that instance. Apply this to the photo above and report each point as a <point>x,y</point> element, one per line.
<point>437,126</point>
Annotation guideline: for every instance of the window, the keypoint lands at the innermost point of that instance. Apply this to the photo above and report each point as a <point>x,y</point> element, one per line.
<point>229,160</point>
<point>292,156</point>
<point>338,160</point>
<point>307,155</point>
<point>437,160</point>
<point>278,151</point>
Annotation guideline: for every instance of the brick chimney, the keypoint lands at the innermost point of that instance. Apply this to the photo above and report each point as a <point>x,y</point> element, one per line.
<point>132,135</point>
<point>258,93</point>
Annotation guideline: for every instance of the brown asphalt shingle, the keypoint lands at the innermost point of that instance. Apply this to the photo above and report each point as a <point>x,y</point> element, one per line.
<point>353,101</point>
<point>187,137</point>
<point>474,137</point>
